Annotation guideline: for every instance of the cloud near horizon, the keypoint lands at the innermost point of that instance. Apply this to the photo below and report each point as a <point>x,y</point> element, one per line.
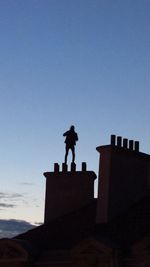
<point>11,228</point>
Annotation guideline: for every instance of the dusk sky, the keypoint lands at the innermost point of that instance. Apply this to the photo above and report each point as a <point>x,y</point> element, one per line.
<point>64,62</point>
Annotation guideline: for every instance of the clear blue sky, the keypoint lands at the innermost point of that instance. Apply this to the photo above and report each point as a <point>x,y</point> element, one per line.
<point>63,62</point>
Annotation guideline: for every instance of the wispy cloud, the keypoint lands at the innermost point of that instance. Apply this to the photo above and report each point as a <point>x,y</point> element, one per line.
<point>5,205</point>
<point>11,228</point>
<point>10,200</point>
<point>10,195</point>
<point>27,184</point>
<point>16,195</point>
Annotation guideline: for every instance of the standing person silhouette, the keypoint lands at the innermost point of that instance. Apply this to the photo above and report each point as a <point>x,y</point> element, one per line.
<point>71,138</point>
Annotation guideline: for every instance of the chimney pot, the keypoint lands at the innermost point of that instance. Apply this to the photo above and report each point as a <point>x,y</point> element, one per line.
<point>64,167</point>
<point>131,143</point>
<point>56,167</point>
<point>125,143</point>
<point>73,167</point>
<point>84,166</point>
<point>119,141</point>
<point>113,139</point>
<point>137,146</point>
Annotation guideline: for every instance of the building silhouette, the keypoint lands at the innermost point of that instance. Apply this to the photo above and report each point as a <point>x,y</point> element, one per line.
<point>112,230</point>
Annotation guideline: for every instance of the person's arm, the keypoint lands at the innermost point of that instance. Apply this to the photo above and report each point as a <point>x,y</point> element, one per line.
<point>65,134</point>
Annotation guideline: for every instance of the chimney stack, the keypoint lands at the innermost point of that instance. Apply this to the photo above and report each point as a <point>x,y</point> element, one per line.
<point>123,177</point>
<point>67,191</point>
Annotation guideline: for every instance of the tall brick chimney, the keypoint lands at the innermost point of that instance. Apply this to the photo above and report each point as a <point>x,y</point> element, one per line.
<point>123,177</point>
<point>67,191</point>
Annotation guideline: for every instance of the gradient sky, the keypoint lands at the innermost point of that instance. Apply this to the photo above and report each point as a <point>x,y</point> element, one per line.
<point>64,62</point>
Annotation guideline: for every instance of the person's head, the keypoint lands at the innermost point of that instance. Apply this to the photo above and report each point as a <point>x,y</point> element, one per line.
<point>72,128</point>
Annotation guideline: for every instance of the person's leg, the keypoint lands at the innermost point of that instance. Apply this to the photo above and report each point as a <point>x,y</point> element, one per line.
<point>73,153</point>
<point>66,155</point>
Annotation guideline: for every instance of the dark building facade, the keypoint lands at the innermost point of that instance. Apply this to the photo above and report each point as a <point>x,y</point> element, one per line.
<point>112,230</point>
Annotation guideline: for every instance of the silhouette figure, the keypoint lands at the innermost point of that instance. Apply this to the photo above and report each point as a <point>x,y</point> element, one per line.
<point>71,138</point>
